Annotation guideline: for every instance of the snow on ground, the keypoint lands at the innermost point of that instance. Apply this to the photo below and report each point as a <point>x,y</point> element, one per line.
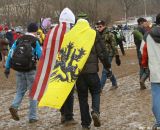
<point>127,108</point>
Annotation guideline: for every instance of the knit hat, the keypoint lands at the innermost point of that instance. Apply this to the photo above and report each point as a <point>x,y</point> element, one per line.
<point>32,27</point>
<point>158,19</point>
<point>82,15</point>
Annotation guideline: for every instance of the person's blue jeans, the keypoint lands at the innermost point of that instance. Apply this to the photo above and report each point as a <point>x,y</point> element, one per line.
<point>24,81</point>
<point>104,76</point>
<point>84,83</point>
<point>155,89</point>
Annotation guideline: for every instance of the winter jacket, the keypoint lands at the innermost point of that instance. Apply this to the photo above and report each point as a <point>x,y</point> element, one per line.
<point>110,42</point>
<point>9,36</point>
<point>37,50</point>
<point>41,36</point>
<point>98,52</point>
<point>119,37</point>
<point>138,36</point>
<point>3,43</point>
<point>150,54</point>
<point>16,35</point>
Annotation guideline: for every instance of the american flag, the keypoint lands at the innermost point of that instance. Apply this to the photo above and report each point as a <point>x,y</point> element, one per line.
<point>47,61</point>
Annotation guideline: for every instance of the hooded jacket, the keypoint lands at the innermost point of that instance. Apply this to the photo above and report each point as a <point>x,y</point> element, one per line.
<point>67,16</point>
<point>41,36</point>
<point>151,54</point>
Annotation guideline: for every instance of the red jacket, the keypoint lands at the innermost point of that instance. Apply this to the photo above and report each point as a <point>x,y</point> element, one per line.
<point>144,52</point>
<point>16,35</point>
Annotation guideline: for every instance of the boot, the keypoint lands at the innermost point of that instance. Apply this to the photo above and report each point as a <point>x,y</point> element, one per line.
<point>62,119</point>
<point>70,122</point>
<point>155,127</point>
<point>96,119</point>
<point>113,87</point>
<point>86,127</point>
<point>142,84</point>
<point>14,113</point>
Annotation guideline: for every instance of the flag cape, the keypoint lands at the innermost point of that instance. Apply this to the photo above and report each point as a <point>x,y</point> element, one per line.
<point>51,45</point>
<point>75,49</point>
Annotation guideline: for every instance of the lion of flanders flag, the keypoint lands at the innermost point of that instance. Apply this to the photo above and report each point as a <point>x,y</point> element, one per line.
<point>75,49</point>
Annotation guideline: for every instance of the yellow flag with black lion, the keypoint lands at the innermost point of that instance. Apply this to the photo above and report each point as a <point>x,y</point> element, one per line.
<point>74,52</point>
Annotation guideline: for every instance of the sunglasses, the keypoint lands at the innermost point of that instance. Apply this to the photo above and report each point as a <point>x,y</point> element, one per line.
<point>99,27</point>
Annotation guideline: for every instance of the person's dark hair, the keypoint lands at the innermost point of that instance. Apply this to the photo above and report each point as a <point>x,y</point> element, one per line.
<point>141,20</point>
<point>101,22</point>
<point>119,26</point>
<point>158,19</point>
<point>32,27</point>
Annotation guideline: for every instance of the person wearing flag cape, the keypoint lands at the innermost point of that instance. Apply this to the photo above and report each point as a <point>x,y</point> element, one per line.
<point>51,47</point>
<point>77,45</point>
<point>67,108</point>
<point>89,80</point>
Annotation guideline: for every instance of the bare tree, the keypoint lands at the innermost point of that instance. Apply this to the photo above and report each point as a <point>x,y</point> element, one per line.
<point>21,12</point>
<point>127,5</point>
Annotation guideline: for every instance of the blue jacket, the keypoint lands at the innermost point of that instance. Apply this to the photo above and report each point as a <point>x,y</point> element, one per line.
<point>37,50</point>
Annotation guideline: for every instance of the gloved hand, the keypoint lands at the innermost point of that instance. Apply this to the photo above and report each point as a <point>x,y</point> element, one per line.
<point>118,61</point>
<point>7,72</point>
<point>109,73</point>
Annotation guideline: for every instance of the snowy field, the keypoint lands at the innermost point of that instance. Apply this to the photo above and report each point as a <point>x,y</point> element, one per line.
<point>126,108</point>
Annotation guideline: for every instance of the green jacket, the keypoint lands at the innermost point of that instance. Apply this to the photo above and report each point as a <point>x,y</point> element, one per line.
<point>110,42</point>
<point>137,35</point>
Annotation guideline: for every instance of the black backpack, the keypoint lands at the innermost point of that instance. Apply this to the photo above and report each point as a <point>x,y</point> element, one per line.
<point>22,59</point>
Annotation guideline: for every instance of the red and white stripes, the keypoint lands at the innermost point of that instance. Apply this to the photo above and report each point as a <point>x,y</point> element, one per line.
<point>51,47</point>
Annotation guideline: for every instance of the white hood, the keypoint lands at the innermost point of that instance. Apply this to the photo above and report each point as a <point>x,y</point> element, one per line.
<point>67,16</point>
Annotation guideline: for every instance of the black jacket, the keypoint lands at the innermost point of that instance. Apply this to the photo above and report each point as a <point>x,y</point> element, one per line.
<point>98,52</point>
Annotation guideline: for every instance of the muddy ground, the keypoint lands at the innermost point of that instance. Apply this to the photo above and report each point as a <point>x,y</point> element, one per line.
<point>126,108</point>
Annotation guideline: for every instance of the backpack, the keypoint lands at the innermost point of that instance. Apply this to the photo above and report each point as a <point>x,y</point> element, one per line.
<point>118,36</point>
<point>23,58</point>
